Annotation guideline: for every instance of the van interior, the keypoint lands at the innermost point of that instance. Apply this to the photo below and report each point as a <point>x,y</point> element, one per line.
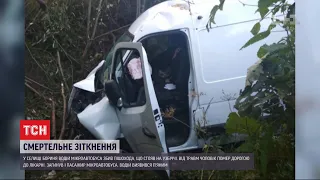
<point>168,56</point>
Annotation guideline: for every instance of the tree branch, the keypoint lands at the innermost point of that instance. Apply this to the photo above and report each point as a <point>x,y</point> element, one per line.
<point>61,71</point>
<point>31,80</point>
<point>63,126</point>
<point>89,19</point>
<point>53,120</point>
<point>36,92</point>
<point>85,52</point>
<point>107,33</point>
<point>138,10</point>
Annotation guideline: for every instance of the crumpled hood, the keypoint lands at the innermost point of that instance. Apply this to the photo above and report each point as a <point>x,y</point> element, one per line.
<point>101,120</point>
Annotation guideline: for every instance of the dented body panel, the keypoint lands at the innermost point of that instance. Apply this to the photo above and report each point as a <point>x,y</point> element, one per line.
<point>101,120</point>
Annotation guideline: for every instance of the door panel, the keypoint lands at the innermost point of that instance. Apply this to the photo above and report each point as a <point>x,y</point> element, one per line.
<point>141,122</point>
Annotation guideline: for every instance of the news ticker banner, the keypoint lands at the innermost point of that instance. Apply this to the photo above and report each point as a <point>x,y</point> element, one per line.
<point>38,152</point>
<point>104,155</point>
<point>146,161</point>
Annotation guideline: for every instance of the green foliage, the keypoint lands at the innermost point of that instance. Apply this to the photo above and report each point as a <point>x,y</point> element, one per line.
<point>269,81</point>
<point>266,105</point>
<point>236,124</point>
<point>213,13</point>
<point>259,36</point>
<point>256,38</point>
<point>263,50</point>
<point>256,28</point>
<point>264,143</point>
<point>263,7</point>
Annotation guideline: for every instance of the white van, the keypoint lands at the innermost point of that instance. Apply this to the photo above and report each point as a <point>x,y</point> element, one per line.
<point>194,72</point>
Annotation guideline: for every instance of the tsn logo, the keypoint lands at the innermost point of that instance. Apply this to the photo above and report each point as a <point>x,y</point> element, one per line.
<point>35,130</point>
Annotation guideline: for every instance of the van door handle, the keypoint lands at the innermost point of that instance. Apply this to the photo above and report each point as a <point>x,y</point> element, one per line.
<point>148,133</point>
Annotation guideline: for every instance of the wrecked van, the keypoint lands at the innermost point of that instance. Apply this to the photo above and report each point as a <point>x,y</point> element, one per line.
<point>169,76</point>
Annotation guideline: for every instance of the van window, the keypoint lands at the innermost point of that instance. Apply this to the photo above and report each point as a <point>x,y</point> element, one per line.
<point>131,87</point>
<point>126,37</point>
<point>155,45</point>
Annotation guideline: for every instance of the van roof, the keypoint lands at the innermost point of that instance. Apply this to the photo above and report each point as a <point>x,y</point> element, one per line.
<point>170,15</point>
<point>178,14</point>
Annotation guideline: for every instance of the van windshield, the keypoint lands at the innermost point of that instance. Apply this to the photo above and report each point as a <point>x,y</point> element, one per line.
<point>126,37</point>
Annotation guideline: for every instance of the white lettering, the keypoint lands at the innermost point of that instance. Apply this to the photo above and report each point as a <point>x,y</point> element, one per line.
<point>42,130</point>
<point>26,129</point>
<point>34,130</point>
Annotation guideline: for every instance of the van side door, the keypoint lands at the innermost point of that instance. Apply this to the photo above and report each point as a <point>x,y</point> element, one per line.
<point>138,112</point>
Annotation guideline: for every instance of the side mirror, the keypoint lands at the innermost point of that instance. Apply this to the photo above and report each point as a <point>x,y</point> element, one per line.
<point>112,91</point>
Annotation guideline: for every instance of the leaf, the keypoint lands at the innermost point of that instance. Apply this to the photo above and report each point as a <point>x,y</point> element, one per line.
<point>256,38</point>
<point>260,36</point>
<point>213,14</point>
<point>265,3</point>
<point>275,10</point>
<point>261,52</point>
<point>263,6</point>
<point>263,12</point>
<point>246,147</point>
<point>271,26</point>
<point>256,28</point>
<point>221,4</point>
<point>241,125</point>
<point>232,123</point>
<point>283,8</point>
<point>274,47</point>
<point>205,147</point>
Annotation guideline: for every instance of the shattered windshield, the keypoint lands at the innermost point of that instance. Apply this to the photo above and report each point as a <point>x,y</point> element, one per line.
<point>126,37</point>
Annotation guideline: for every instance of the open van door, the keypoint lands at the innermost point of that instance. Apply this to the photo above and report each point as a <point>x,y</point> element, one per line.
<point>136,105</point>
